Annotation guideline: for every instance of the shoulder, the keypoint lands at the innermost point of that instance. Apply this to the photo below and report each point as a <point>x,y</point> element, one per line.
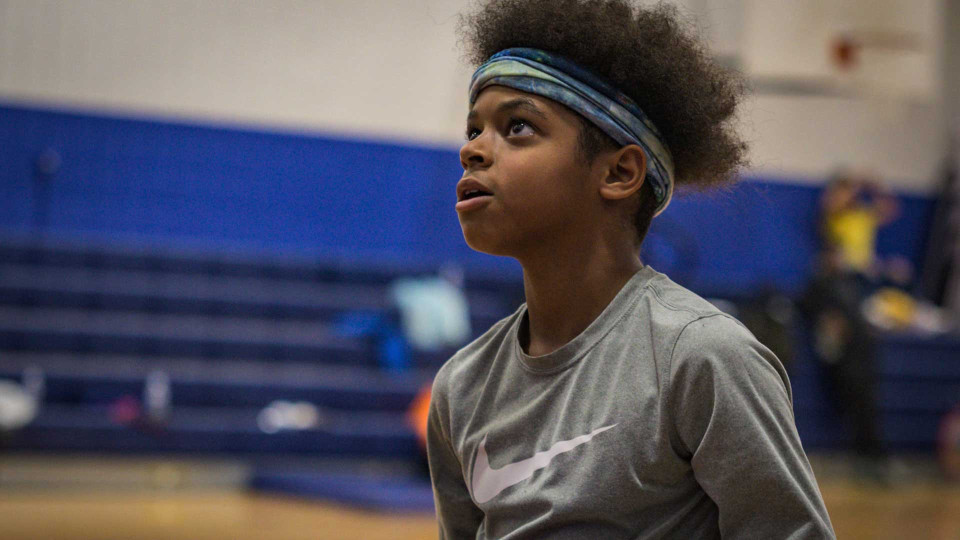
<point>670,308</point>
<point>720,375</point>
<point>714,335</point>
<point>684,303</point>
<point>718,352</point>
<point>699,339</point>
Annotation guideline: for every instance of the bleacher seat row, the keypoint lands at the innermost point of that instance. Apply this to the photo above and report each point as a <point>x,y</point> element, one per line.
<point>233,335</point>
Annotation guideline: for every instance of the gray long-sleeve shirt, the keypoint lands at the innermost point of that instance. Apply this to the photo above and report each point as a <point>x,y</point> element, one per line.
<point>665,418</point>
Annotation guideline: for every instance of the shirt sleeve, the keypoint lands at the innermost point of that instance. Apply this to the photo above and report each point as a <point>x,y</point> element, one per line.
<point>733,415</point>
<point>457,516</point>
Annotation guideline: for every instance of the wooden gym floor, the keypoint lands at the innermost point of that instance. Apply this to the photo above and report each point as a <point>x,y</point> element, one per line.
<point>916,510</point>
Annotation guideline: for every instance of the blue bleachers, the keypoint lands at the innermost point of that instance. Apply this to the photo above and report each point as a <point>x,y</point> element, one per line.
<point>918,384</point>
<point>234,335</point>
<point>218,327</point>
<point>102,379</point>
<point>215,431</point>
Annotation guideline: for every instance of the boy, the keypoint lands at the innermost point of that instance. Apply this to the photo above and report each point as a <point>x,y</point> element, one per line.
<point>613,403</point>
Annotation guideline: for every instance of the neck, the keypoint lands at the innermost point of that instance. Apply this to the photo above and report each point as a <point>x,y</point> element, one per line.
<point>567,288</point>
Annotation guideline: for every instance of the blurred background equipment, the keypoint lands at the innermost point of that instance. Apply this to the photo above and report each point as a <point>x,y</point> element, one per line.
<point>433,310</point>
<point>221,225</point>
<point>17,406</point>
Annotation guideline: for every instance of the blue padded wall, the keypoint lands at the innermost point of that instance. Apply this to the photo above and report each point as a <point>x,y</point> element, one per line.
<point>156,180</point>
<point>761,234</point>
<point>333,197</point>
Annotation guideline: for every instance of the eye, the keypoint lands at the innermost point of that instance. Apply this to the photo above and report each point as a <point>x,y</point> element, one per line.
<point>519,127</point>
<point>471,133</point>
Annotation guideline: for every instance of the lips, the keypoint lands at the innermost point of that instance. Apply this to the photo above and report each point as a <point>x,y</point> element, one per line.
<point>469,188</point>
<point>472,195</point>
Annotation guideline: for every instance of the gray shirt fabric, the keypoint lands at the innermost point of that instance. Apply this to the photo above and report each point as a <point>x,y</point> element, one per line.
<point>664,418</point>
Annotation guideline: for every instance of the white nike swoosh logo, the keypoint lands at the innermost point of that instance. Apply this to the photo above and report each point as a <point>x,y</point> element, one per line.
<point>487,482</point>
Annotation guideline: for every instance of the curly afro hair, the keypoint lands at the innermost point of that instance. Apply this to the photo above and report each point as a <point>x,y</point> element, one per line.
<point>647,53</point>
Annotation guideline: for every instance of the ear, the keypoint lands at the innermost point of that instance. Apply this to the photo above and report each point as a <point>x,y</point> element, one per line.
<point>624,173</point>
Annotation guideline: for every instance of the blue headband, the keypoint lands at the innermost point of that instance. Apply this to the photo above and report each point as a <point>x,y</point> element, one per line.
<point>541,73</point>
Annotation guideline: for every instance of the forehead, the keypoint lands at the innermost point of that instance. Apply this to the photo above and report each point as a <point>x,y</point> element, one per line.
<point>496,98</point>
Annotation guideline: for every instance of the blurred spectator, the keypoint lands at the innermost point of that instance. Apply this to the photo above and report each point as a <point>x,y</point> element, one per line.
<point>853,208</point>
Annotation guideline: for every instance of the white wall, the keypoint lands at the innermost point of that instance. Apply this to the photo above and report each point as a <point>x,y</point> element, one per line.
<point>390,69</point>
<point>885,112</point>
<point>371,67</point>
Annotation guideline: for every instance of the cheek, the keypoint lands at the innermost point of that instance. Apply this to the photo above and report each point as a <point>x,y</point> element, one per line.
<point>551,189</point>
<point>540,193</point>
<point>539,180</point>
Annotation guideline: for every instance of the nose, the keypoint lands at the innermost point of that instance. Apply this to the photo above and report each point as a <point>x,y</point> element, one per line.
<point>475,153</point>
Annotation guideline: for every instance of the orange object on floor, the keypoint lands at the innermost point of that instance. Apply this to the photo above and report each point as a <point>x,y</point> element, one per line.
<point>417,414</point>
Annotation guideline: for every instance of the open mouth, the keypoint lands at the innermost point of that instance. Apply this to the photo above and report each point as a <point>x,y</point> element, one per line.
<point>473,193</point>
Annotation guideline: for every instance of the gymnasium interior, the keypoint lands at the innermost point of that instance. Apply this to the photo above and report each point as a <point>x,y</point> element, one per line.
<point>230,263</point>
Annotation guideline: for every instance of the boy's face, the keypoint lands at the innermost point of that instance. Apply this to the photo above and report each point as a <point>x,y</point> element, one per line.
<point>522,152</point>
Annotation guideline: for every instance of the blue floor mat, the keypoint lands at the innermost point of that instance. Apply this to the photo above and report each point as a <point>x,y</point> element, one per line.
<point>397,494</point>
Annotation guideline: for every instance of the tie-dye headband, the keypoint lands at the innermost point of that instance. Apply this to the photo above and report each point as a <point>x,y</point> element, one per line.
<point>544,74</point>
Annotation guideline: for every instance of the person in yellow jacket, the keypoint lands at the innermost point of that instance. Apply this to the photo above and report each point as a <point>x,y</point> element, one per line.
<point>853,209</point>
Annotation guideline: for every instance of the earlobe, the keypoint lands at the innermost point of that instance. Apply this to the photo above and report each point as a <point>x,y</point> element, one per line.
<point>625,174</point>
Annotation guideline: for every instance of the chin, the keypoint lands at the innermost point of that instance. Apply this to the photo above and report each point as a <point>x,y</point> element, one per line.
<point>484,241</point>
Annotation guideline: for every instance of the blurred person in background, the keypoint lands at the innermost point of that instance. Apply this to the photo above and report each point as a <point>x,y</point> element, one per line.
<point>854,206</point>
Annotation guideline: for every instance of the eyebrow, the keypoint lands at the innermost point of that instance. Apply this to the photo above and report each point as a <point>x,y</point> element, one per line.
<point>525,104</point>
